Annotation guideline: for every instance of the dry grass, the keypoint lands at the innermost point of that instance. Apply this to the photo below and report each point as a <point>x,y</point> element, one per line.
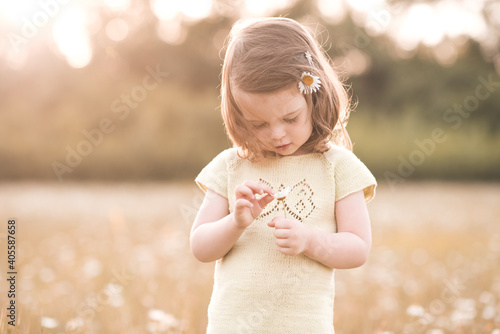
<point>114,258</point>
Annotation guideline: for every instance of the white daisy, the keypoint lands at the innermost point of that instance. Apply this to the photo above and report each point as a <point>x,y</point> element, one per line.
<point>309,58</point>
<point>309,83</point>
<point>281,195</point>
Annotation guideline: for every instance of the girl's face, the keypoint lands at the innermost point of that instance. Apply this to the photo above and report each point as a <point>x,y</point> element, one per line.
<point>281,119</point>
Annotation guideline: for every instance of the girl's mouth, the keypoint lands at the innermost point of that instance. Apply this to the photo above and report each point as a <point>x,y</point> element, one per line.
<point>283,147</point>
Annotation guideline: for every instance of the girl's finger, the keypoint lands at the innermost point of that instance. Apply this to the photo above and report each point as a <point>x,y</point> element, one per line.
<point>281,223</point>
<point>268,190</point>
<point>254,186</point>
<point>259,188</point>
<point>285,250</point>
<point>242,191</point>
<point>282,243</point>
<point>242,203</point>
<point>272,223</point>
<point>265,200</point>
<point>281,234</point>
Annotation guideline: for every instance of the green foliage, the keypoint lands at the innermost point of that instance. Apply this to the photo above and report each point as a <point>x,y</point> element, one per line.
<point>405,145</point>
<point>177,128</point>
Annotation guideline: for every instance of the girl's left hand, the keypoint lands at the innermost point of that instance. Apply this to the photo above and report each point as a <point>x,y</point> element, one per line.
<point>292,237</point>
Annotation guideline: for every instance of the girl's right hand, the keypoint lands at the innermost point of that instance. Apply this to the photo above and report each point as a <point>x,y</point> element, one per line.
<point>247,207</point>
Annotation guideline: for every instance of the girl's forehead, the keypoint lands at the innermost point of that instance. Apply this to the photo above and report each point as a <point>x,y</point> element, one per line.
<point>264,105</point>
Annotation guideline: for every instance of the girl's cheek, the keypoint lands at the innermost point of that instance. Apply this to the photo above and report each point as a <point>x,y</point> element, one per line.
<point>264,139</point>
<point>261,135</point>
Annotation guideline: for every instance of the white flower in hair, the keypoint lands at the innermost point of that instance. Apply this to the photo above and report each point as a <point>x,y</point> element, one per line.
<point>309,83</point>
<point>309,58</point>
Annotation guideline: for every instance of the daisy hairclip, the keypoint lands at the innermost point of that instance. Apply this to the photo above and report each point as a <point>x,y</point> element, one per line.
<point>309,58</point>
<point>281,195</point>
<point>309,83</point>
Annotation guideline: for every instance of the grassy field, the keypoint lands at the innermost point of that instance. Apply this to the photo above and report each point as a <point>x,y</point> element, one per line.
<point>114,258</point>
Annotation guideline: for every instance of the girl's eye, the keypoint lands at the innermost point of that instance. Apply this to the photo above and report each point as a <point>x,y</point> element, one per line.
<point>291,120</point>
<point>259,126</point>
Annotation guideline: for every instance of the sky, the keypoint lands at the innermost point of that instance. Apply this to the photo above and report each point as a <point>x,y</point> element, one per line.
<point>67,24</point>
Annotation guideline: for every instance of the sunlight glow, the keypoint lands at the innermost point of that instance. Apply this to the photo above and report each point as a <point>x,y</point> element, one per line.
<point>411,30</point>
<point>117,5</point>
<point>72,23</point>
<point>191,9</point>
<point>354,63</point>
<point>457,20</point>
<point>195,9</point>
<point>264,7</point>
<point>430,24</point>
<point>72,38</point>
<point>494,11</point>
<point>164,9</point>
<point>374,15</point>
<point>171,31</point>
<point>333,11</point>
<point>257,7</point>
<point>16,60</point>
<point>117,29</point>
<point>366,5</point>
<point>15,10</point>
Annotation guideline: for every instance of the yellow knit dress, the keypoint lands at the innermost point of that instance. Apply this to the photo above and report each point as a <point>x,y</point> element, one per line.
<point>257,289</point>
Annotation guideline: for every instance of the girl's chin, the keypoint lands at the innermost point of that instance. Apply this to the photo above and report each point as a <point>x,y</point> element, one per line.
<point>292,152</point>
<point>287,150</point>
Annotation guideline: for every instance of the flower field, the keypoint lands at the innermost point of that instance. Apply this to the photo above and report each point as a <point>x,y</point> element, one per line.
<point>114,258</point>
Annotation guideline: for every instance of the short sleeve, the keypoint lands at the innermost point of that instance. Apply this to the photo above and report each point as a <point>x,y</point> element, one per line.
<point>350,174</point>
<point>214,176</point>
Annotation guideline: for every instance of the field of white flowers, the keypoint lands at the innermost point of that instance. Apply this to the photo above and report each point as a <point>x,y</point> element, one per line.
<point>114,258</point>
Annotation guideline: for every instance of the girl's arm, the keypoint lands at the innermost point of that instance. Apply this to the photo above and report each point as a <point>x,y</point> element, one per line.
<point>215,230</point>
<point>348,248</point>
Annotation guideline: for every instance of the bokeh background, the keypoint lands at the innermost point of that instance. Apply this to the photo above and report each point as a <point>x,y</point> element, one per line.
<point>109,108</point>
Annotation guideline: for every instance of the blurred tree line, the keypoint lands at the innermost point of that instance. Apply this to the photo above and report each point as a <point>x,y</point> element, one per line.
<point>146,109</point>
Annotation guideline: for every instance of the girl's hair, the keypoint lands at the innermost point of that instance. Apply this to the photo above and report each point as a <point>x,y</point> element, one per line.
<point>266,55</point>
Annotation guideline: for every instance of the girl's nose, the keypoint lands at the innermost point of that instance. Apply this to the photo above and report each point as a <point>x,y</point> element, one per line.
<point>278,132</point>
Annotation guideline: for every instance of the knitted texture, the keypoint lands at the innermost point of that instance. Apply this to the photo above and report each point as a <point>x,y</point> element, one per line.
<point>257,289</point>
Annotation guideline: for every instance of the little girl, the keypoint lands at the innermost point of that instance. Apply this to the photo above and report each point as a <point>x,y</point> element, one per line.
<point>285,206</point>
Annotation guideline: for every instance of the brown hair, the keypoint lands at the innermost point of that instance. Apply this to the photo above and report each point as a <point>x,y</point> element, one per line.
<point>268,54</point>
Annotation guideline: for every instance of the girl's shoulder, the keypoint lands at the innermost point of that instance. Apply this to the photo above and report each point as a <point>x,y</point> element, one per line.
<point>226,158</point>
<point>214,175</point>
<point>350,173</point>
<point>338,153</point>
<point>230,154</point>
